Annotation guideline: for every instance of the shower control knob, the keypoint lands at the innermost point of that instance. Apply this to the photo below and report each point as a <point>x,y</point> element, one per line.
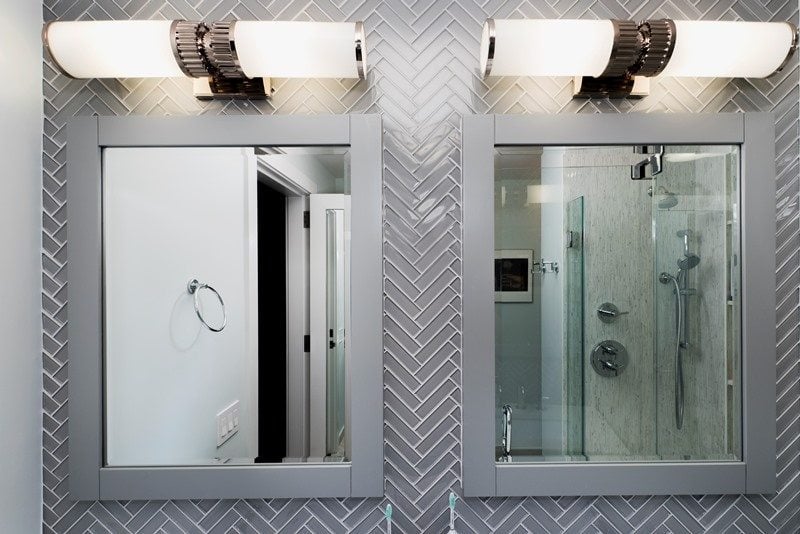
<point>609,358</point>
<point>608,312</point>
<point>609,349</point>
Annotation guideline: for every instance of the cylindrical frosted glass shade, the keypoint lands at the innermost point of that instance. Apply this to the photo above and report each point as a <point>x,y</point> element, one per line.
<point>113,49</point>
<point>728,49</point>
<point>547,47</point>
<point>299,49</point>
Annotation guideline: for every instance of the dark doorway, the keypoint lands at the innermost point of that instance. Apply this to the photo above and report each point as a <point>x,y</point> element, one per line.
<point>271,325</point>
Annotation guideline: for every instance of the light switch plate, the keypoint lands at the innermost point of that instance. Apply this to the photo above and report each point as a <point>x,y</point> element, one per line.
<point>227,423</point>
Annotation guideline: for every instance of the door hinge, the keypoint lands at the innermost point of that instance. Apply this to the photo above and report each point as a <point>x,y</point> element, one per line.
<point>306,343</point>
<point>306,219</point>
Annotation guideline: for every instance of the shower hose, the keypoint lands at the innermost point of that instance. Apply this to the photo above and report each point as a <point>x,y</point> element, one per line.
<point>678,355</point>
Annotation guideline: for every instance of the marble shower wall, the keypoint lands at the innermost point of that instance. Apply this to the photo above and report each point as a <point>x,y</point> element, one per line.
<point>423,76</point>
<point>619,412</point>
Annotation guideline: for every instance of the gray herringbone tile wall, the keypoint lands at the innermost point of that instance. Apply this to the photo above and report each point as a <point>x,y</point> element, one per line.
<point>423,77</point>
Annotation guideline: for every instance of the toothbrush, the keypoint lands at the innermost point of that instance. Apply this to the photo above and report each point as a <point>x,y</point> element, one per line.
<point>388,515</point>
<point>452,514</point>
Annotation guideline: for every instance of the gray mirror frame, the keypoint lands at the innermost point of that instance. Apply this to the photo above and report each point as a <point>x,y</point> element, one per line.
<point>756,473</point>
<point>88,478</point>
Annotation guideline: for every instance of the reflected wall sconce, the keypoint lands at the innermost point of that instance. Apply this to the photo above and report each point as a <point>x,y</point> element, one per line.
<point>616,58</point>
<point>230,59</point>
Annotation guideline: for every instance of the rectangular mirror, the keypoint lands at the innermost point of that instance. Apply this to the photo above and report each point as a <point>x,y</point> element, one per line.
<point>619,304</point>
<point>218,348</point>
<point>204,356</point>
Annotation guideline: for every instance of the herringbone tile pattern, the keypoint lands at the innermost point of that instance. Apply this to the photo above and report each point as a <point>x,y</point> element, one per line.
<point>423,63</point>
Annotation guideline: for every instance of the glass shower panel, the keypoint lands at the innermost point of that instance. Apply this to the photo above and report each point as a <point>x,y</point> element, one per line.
<point>573,327</point>
<point>697,304</point>
<point>617,304</point>
<point>619,382</point>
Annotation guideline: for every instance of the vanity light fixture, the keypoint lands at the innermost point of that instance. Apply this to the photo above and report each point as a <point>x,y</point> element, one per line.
<point>230,59</point>
<point>611,58</point>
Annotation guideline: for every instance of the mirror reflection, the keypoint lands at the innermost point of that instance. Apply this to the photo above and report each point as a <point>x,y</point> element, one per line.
<point>617,304</point>
<point>226,305</point>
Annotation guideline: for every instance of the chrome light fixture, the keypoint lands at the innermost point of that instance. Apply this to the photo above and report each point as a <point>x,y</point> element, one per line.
<point>230,59</point>
<point>609,58</point>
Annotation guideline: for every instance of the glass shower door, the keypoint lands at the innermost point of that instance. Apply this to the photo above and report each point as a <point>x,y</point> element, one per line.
<point>696,305</point>
<point>573,327</point>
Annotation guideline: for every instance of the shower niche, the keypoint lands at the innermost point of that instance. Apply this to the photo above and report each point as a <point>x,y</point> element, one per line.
<point>639,353</point>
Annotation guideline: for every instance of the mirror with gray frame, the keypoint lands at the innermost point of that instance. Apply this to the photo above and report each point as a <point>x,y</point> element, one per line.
<point>619,304</point>
<point>217,345</point>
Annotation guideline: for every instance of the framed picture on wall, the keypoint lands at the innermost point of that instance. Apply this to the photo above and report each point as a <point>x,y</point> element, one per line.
<point>512,275</point>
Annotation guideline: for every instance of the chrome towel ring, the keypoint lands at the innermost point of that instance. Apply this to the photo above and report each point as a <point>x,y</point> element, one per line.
<point>194,287</point>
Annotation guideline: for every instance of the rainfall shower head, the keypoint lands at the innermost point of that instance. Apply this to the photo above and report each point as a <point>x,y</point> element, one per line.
<point>690,261</point>
<point>669,200</point>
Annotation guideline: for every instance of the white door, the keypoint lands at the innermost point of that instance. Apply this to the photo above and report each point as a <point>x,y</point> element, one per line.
<point>329,305</point>
<point>170,215</point>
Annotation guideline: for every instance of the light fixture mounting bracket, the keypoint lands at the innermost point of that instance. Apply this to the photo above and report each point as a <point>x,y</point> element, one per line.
<point>202,51</point>
<point>639,50</point>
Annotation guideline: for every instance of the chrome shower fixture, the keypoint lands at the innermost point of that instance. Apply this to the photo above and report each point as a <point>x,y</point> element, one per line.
<point>687,235</point>
<point>682,291</point>
<point>650,166</point>
<point>680,327</point>
<point>690,261</point>
<point>669,199</point>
